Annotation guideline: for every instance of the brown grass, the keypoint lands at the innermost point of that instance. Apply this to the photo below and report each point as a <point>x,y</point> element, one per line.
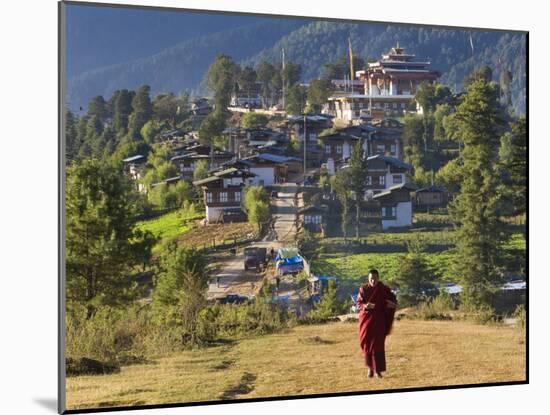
<point>200,235</point>
<point>419,354</point>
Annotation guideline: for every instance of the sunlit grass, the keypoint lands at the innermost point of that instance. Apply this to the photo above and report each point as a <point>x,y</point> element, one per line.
<point>419,354</point>
<point>170,225</point>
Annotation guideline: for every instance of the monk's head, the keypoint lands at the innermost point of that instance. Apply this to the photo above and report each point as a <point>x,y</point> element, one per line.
<point>373,277</point>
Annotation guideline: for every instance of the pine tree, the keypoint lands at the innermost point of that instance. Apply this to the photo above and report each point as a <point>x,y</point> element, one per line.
<point>221,78</point>
<point>358,180</point>
<point>98,108</point>
<point>122,110</point>
<point>102,247</point>
<point>415,279</point>
<point>142,111</point>
<point>71,138</point>
<point>476,210</point>
<point>340,184</point>
<point>513,155</point>
<point>329,305</point>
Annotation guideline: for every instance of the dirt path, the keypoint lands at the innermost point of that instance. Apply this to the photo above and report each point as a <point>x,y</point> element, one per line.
<point>232,277</point>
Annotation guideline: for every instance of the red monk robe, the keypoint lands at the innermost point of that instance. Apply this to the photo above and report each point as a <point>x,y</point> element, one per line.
<point>375,324</point>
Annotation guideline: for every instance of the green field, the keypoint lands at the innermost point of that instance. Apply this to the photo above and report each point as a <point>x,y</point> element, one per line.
<point>352,268</point>
<point>170,225</point>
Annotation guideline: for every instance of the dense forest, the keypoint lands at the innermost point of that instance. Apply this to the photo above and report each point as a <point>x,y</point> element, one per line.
<point>182,67</point>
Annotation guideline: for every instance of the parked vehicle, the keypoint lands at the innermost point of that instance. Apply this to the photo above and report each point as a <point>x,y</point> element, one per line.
<point>255,258</point>
<point>289,261</point>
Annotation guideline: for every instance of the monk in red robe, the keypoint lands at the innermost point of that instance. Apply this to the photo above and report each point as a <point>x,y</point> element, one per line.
<point>376,304</point>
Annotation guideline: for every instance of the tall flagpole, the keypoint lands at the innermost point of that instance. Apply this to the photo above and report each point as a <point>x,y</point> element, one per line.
<point>283,78</point>
<point>352,73</point>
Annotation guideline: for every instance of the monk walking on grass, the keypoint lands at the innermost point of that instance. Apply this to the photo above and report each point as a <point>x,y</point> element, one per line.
<point>376,304</point>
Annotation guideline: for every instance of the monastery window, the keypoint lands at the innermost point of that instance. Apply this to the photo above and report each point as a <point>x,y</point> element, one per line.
<point>209,197</point>
<point>338,148</point>
<point>382,180</point>
<point>237,196</point>
<point>397,178</point>
<point>223,197</point>
<point>327,148</point>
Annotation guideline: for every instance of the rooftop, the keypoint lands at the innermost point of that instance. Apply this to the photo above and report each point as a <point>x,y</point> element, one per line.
<point>390,160</point>
<point>133,158</point>
<point>406,186</point>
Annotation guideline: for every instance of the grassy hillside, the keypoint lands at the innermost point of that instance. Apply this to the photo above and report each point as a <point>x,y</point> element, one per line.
<point>170,225</point>
<point>309,360</point>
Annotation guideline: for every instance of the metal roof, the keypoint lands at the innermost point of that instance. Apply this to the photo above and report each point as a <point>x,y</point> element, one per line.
<point>133,158</point>
<point>390,160</point>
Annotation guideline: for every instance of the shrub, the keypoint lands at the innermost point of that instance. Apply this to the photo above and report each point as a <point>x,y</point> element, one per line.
<point>230,320</point>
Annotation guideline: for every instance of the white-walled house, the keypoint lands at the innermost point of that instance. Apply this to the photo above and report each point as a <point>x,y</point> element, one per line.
<point>223,192</point>
<point>395,206</point>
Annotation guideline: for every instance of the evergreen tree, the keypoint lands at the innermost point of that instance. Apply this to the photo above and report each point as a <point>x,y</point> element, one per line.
<point>181,269</point>
<point>358,179</point>
<point>98,108</point>
<point>475,211</point>
<point>329,305</point>
<point>212,127</point>
<point>513,160</point>
<point>122,110</point>
<point>317,94</point>
<point>221,78</point>
<point>71,138</point>
<point>296,99</point>
<point>265,72</point>
<point>142,111</point>
<point>340,184</point>
<point>180,289</point>
<point>102,247</point>
<point>415,279</point>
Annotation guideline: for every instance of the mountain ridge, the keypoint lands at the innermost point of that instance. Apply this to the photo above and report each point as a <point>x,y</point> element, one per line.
<point>311,44</point>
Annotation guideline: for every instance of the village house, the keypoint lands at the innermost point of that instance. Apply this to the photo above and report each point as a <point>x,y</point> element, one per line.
<point>247,98</point>
<point>385,172</point>
<point>168,182</point>
<point>134,167</point>
<point>223,193</point>
<point>388,200</point>
<point>200,107</point>
<point>268,169</point>
<point>382,139</point>
<point>389,87</point>
<point>187,157</point>
<point>311,127</point>
<point>187,163</point>
<point>395,206</point>
<point>248,141</point>
<point>312,218</point>
<point>429,198</point>
<point>312,124</point>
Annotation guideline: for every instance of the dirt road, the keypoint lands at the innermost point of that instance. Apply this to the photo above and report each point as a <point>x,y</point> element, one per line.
<point>232,278</point>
